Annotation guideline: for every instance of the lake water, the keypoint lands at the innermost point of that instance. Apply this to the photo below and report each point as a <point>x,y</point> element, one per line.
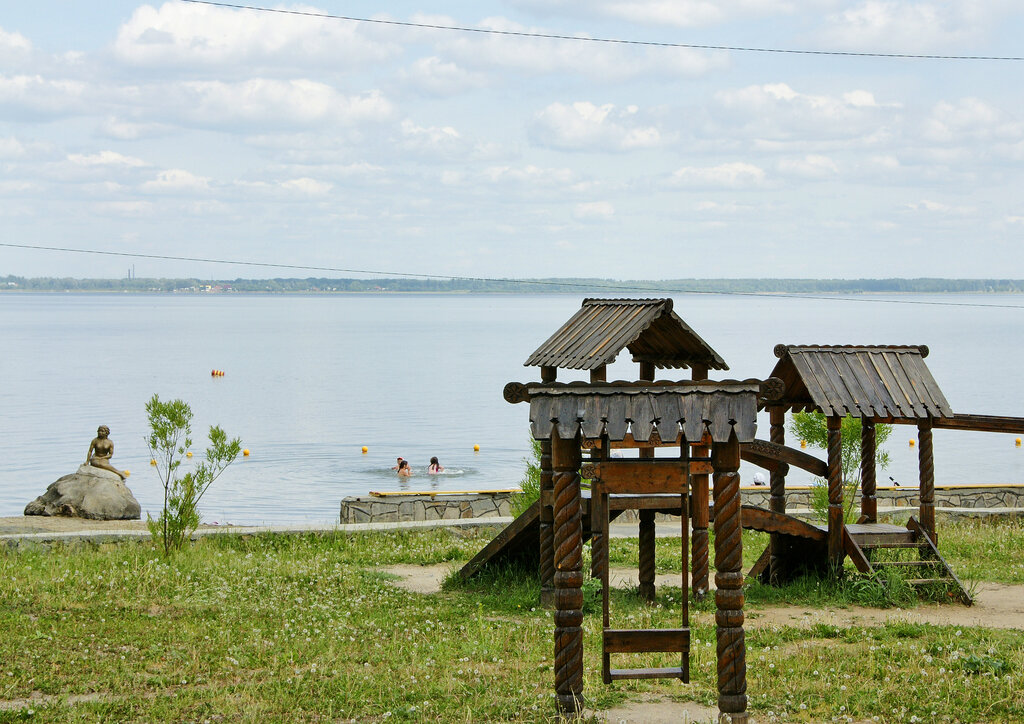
<point>311,379</point>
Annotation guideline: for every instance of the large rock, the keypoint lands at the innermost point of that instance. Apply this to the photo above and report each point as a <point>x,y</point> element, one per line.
<point>88,493</point>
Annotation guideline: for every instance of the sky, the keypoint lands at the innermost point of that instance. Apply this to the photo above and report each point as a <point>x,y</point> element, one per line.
<point>179,129</point>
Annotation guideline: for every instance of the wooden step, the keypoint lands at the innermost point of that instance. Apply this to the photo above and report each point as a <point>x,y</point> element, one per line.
<point>933,564</point>
<point>900,544</point>
<point>670,672</point>
<point>639,641</point>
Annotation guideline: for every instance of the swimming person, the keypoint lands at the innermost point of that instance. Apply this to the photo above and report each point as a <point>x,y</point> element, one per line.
<point>435,467</point>
<point>398,463</point>
<point>103,447</point>
<point>404,470</point>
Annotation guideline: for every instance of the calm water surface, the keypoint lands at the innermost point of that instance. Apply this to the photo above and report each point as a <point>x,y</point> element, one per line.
<point>311,379</point>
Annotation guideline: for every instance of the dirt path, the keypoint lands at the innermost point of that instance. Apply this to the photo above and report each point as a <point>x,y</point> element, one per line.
<point>996,605</point>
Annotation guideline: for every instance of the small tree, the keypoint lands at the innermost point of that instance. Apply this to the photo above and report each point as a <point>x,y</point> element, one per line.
<point>170,426</point>
<point>530,484</point>
<point>813,428</point>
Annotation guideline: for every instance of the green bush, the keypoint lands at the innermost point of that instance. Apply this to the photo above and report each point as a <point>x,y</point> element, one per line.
<point>170,426</point>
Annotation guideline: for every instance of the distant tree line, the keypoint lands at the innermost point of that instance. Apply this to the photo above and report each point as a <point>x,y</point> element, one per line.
<point>322,285</point>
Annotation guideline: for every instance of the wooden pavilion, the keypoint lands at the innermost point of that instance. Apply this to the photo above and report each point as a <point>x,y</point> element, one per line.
<point>712,424</point>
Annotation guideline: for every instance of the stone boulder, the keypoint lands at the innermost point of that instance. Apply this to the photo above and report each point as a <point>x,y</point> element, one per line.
<point>88,493</point>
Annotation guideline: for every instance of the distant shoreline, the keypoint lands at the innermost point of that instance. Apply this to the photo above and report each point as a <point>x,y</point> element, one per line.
<point>603,287</point>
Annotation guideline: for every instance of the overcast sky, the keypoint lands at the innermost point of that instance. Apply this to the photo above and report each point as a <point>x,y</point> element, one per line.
<point>182,129</point>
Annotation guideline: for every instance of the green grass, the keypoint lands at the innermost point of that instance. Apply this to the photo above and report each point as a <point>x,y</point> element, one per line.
<point>309,628</point>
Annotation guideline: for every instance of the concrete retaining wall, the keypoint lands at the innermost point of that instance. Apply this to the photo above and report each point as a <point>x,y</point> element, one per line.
<point>452,506</point>
<point>442,506</point>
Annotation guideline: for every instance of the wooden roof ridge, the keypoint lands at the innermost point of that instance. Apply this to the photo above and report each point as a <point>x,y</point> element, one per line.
<point>868,381</point>
<point>782,349</point>
<point>595,335</point>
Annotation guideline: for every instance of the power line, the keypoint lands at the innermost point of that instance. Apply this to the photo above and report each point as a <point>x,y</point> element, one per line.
<point>615,41</point>
<point>507,280</point>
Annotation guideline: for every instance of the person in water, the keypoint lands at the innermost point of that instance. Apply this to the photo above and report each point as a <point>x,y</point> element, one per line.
<point>404,470</point>
<point>398,463</point>
<point>101,449</point>
<point>435,467</point>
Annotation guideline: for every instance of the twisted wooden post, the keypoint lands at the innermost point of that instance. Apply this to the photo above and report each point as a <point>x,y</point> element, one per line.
<point>926,466</point>
<point>835,493</point>
<point>568,578</point>
<point>547,531</point>
<point>777,501</point>
<point>732,659</point>
<point>699,574</point>
<point>868,484</point>
<point>647,541</point>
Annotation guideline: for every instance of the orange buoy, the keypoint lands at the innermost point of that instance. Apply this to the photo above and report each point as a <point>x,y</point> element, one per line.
<point>153,461</point>
<point>246,452</point>
<point>911,443</point>
<point>365,449</point>
<point>803,443</point>
<point>188,454</point>
<point>476,448</point>
<point>126,472</point>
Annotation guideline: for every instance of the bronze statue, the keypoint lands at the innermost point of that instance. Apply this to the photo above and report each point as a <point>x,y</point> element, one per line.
<point>101,449</point>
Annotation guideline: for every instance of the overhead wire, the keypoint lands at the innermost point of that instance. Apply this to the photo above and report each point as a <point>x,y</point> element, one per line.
<point>597,285</point>
<point>589,39</point>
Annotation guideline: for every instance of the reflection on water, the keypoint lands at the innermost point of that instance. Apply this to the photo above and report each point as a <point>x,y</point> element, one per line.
<point>311,380</point>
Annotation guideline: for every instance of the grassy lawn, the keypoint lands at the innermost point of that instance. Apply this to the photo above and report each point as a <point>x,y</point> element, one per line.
<point>309,628</point>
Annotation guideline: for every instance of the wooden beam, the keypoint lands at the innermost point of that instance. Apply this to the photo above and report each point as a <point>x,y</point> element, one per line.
<point>782,453</point>
<point>981,423</point>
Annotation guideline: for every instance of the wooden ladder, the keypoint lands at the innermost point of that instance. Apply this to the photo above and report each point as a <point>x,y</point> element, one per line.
<point>932,567</point>
<point>635,641</point>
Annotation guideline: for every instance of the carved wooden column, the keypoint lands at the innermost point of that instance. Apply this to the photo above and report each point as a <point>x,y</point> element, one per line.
<point>700,574</point>
<point>868,484</point>
<point>777,479</point>
<point>926,467</point>
<point>835,492</point>
<point>598,535</point>
<point>568,525</point>
<point>547,531</point>
<point>732,659</point>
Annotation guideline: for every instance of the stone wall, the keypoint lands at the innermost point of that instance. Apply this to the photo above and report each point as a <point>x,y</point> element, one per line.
<point>946,496</point>
<point>451,506</point>
<point>444,506</point>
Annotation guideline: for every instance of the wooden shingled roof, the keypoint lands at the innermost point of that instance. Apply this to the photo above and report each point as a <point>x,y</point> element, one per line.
<point>648,328</point>
<point>641,409</point>
<point>875,382</point>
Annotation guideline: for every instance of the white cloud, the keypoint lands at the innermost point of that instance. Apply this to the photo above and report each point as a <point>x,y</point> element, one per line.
<point>969,118</point>
<point>776,111</point>
<point>735,175</point>
<point>11,147</point>
<point>811,166</point>
<point>127,208</point>
<point>673,13</point>
<point>112,127</point>
<point>594,210</point>
<point>897,26</point>
<point>105,158</point>
<point>600,62</point>
<point>34,96</point>
<point>532,175</point>
<point>14,46</point>
<point>936,207</point>
<point>443,78</point>
<point>585,126</point>
<point>180,34</point>
<point>307,186</point>
<point>177,180</point>
<point>265,101</point>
